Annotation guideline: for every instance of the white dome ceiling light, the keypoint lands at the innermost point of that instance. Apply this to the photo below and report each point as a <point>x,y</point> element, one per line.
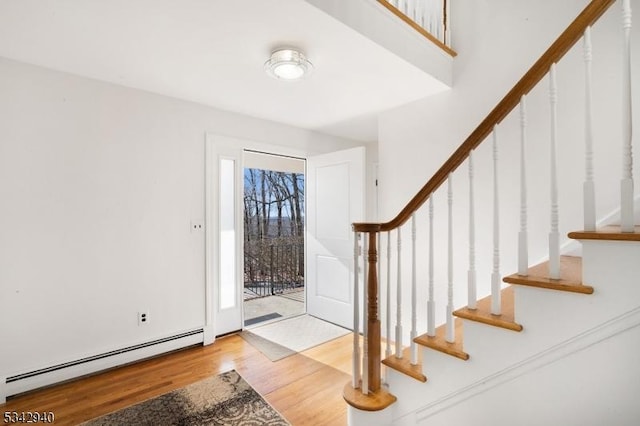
<point>288,64</point>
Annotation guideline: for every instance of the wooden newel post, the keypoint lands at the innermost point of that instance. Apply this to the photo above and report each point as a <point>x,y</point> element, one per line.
<point>373,321</point>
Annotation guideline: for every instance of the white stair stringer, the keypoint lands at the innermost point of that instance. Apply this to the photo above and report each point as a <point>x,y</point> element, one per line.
<point>567,384</point>
<point>558,327</point>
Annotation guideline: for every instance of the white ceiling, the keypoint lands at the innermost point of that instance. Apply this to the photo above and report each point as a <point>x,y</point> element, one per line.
<point>212,52</point>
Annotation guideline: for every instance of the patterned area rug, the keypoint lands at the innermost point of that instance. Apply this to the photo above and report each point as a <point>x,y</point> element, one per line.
<point>226,399</point>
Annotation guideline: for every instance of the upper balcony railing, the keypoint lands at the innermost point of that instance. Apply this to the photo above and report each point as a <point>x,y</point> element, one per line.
<point>429,17</point>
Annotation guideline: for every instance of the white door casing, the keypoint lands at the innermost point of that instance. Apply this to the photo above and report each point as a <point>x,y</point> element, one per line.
<point>335,199</point>
<point>224,251</point>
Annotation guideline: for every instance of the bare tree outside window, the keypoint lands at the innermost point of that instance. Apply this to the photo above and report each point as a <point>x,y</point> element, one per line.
<point>274,232</point>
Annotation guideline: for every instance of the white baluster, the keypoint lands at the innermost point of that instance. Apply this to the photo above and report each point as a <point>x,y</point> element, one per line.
<point>626,185</point>
<point>447,23</point>
<point>356,313</point>
<point>495,275</point>
<point>388,349</point>
<point>399,299</point>
<point>365,320</point>
<point>554,236</point>
<point>439,20</point>
<point>420,12</point>
<point>426,13</point>
<point>414,296</point>
<point>433,22</point>
<point>426,4</point>
<point>588,188</point>
<point>472,297</point>
<point>431,304</point>
<point>523,244</point>
<point>379,265</point>
<point>450,331</point>
<point>387,352</point>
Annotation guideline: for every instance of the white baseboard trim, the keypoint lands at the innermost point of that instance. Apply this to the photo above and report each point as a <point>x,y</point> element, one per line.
<point>19,383</point>
<point>600,333</point>
<point>3,390</point>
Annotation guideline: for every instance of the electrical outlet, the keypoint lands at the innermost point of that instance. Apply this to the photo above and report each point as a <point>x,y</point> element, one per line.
<point>197,225</point>
<point>143,317</point>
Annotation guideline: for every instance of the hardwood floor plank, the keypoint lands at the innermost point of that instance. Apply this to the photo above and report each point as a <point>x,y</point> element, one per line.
<point>305,388</point>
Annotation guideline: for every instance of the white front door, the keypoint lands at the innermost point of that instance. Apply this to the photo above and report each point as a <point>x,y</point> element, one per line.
<point>335,199</point>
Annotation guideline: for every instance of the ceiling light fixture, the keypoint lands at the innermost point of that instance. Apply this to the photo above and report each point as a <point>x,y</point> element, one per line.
<point>288,64</point>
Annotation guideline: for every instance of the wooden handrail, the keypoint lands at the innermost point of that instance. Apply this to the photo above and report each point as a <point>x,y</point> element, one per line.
<point>558,49</point>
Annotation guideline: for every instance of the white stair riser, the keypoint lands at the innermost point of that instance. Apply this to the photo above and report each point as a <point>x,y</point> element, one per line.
<point>550,316</point>
<point>444,375</point>
<point>620,271</point>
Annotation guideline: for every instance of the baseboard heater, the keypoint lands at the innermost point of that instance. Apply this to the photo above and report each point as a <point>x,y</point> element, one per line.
<point>65,371</point>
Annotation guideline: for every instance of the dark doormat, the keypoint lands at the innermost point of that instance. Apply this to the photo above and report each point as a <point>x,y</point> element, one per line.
<point>261,318</point>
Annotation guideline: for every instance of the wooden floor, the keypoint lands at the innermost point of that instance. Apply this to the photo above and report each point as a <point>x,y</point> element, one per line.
<point>305,388</point>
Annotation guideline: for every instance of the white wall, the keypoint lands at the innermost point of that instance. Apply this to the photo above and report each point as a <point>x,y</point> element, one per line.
<point>497,41</point>
<point>98,185</point>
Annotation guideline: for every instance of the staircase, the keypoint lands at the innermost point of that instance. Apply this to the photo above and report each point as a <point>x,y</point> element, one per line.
<point>557,345</point>
<point>560,365</point>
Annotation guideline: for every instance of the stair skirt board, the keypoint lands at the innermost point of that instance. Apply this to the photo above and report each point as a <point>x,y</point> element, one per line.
<point>600,333</point>
<point>16,384</point>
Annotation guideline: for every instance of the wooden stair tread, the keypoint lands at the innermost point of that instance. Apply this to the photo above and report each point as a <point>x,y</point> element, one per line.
<point>605,233</point>
<point>570,273</point>
<point>373,401</point>
<point>483,312</point>
<point>404,365</point>
<point>439,343</point>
